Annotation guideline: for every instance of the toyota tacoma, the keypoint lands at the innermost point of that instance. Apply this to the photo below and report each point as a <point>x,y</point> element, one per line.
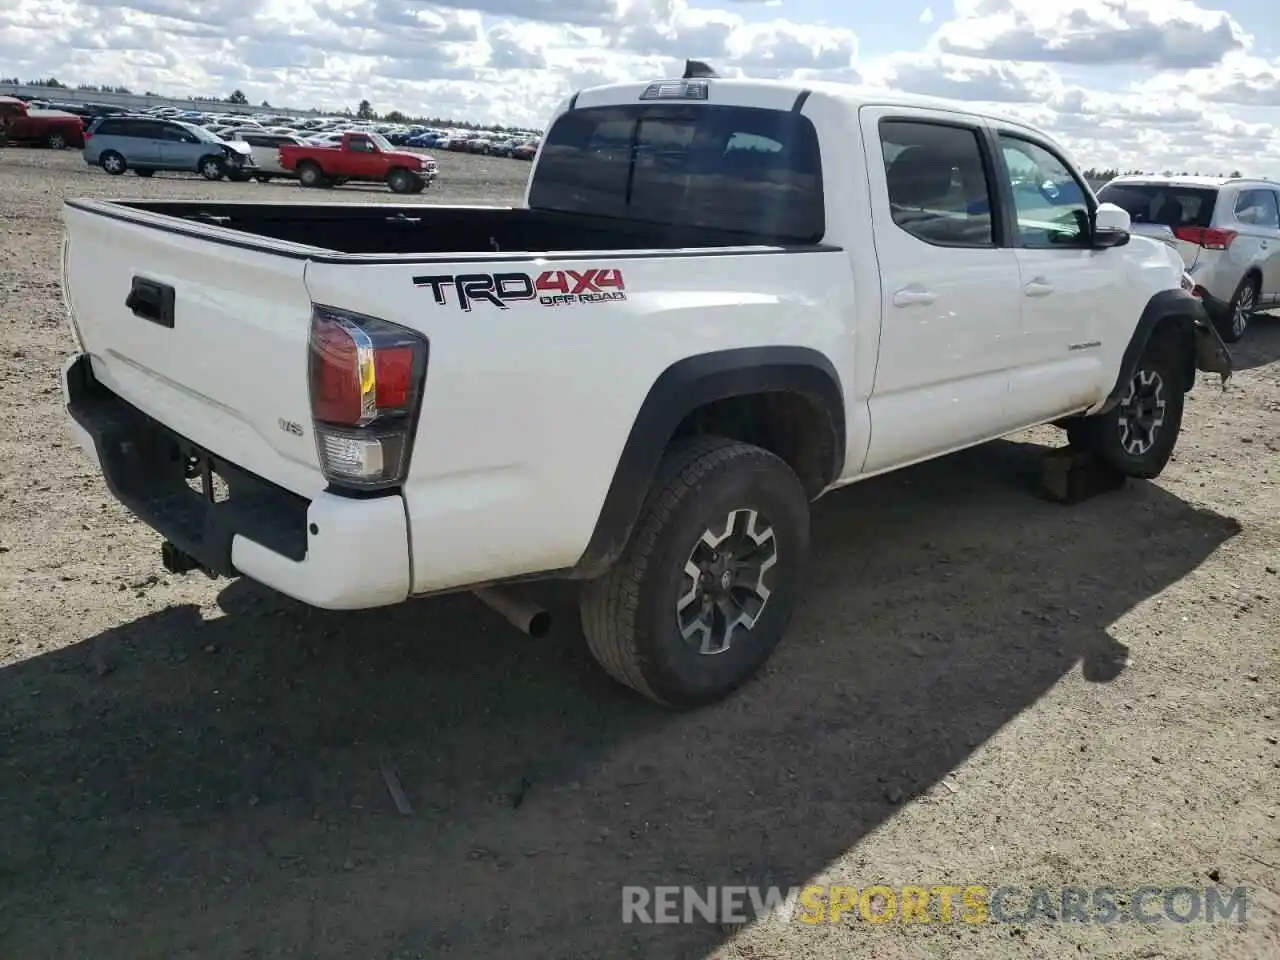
<point>718,300</point>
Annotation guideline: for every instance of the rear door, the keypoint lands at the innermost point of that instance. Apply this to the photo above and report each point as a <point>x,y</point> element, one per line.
<point>1258,222</point>
<point>951,300</point>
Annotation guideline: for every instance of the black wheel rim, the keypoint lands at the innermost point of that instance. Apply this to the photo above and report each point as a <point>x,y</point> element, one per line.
<point>1142,413</point>
<point>726,581</point>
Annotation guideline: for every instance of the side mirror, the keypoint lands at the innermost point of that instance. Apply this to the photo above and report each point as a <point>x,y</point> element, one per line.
<point>1111,226</point>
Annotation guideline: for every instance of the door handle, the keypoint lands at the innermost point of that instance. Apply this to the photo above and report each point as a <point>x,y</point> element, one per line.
<point>151,301</point>
<point>914,297</point>
<point>1039,287</point>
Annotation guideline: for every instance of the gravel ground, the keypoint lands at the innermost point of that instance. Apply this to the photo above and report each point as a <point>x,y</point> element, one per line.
<point>981,688</point>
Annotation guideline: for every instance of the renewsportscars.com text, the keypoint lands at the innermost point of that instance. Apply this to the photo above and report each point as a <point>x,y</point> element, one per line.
<point>942,903</point>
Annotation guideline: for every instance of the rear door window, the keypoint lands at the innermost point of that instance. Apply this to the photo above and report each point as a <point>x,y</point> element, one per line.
<point>740,169</point>
<point>1258,208</point>
<point>1159,203</point>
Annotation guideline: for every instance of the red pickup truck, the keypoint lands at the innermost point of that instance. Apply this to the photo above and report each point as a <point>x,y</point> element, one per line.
<point>19,124</point>
<point>358,157</point>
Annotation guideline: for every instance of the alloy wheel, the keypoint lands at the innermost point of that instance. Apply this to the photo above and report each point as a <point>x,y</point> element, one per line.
<point>1244,307</point>
<point>1142,412</point>
<point>726,581</point>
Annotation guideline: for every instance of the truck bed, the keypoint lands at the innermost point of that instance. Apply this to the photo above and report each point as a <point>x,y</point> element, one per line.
<point>431,229</point>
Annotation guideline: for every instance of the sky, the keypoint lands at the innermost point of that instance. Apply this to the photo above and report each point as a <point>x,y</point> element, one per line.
<point>1147,84</point>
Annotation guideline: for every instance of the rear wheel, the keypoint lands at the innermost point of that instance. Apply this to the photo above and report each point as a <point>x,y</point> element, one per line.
<point>113,163</point>
<point>57,141</point>
<point>310,175</point>
<point>704,590</point>
<point>1240,310</point>
<point>212,168</point>
<point>1138,435</point>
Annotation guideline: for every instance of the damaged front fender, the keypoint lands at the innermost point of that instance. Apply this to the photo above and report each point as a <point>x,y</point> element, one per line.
<point>1212,355</point>
<point>1170,311</point>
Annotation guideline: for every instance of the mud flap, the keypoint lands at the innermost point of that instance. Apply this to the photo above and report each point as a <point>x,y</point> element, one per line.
<point>1212,355</point>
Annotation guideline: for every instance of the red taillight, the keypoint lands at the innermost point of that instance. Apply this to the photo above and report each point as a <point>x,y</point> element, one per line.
<point>366,378</point>
<point>394,370</point>
<point>1211,238</point>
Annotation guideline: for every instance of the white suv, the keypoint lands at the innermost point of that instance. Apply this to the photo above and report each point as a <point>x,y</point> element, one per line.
<point>1227,231</point>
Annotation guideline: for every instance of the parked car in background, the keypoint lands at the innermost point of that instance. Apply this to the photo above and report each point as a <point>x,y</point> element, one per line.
<point>147,144</point>
<point>1227,231</point>
<point>265,147</point>
<point>53,129</point>
<point>361,157</point>
<point>525,151</point>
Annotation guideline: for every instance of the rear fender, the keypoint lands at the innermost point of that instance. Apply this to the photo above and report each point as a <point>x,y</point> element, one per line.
<point>685,386</point>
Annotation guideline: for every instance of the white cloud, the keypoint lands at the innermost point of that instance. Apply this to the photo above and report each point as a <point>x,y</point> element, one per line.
<point>1165,34</point>
<point>1203,90</point>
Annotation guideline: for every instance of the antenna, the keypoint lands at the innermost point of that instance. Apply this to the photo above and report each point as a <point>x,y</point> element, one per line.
<point>697,70</point>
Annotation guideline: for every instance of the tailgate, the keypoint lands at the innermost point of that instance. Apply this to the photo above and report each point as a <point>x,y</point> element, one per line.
<point>207,337</point>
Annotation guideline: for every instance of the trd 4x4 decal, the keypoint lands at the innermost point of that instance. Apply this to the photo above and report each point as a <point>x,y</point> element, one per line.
<point>551,288</point>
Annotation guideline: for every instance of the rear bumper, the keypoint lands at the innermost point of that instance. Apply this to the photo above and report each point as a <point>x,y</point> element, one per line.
<point>332,551</point>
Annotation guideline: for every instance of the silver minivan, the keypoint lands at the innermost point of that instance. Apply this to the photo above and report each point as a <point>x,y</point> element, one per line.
<point>147,144</point>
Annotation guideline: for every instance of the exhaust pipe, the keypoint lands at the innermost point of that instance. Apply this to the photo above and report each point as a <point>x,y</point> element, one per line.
<point>526,617</point>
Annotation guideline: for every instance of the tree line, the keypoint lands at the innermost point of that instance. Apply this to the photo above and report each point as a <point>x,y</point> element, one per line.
<point>1094,174</point>
<point>364,111</point>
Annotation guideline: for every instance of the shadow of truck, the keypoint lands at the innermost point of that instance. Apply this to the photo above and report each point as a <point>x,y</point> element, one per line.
<point>187,787</point>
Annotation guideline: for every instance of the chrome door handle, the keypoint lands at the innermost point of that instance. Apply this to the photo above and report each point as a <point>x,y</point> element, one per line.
<point>1039,287</point>
<point>914,297</point>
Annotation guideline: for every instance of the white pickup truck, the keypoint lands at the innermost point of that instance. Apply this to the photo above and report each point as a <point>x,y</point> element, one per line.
<point>719,300</point>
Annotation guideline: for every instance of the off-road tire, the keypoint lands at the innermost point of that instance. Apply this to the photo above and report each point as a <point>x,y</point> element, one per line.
<point>1103,435</point>
<point>1231,328</point>
<point>629,613</point>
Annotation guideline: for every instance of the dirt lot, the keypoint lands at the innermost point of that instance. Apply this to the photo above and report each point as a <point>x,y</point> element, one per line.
<point>982,688</point>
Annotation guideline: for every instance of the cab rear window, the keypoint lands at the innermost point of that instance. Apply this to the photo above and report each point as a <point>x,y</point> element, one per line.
<point>739,169</point>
